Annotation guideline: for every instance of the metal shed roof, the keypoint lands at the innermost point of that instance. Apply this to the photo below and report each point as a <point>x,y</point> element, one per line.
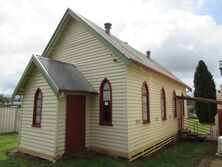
<point>127,53</point>
<point>61,77</point>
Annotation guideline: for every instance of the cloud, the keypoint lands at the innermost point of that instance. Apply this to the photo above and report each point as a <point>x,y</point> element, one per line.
<point>177,37</point>
<point>191,38</point>
<point>11,69</point>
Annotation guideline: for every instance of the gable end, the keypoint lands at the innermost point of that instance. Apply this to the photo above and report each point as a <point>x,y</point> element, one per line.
<point>70,14</point>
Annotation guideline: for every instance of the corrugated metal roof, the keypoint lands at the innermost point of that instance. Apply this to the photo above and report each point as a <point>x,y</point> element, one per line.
<point>66,77</point>
<point>125,52</point>
<point>61,77</point>
<point>130,52</point>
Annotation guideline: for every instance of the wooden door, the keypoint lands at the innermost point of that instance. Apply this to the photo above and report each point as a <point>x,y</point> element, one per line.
<point>75,124</point>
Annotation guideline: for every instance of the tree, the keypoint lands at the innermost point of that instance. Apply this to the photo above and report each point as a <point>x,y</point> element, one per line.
<point>4,99</point>
<point>204,88</point>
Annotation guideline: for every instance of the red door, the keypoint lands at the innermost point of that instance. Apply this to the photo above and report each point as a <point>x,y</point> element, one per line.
<point>75,124</point>
<point>219,112</point>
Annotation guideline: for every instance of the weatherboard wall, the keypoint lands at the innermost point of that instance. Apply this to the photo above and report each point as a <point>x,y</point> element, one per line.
<point>95,62</point>
<point>61,126</point>
<point>141,135</point>
<point>33,140</point>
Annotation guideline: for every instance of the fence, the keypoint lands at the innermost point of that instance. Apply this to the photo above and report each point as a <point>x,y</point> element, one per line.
<point>194,129</point>
<point>9,118</point>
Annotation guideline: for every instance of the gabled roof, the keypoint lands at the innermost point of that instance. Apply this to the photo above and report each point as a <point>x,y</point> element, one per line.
<point>128,54</point>
<point>61,77</point>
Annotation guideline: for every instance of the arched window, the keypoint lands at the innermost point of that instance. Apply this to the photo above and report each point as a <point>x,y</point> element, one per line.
<point>105,103</point>
<point>163,104</point>
<point>174,104</point>
<point>145,103</point>
<point>37,112</point>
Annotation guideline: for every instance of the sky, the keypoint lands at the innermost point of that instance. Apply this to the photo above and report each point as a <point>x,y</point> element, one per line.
<point>179,33</point>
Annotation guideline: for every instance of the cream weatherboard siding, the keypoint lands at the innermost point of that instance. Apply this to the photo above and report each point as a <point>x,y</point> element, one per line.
<point>95,62</point>
<point>61,126</point>
<point>139,134</point>
<point>38,141</point>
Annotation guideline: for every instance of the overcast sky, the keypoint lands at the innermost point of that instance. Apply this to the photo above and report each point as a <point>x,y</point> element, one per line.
<point>178,32</point>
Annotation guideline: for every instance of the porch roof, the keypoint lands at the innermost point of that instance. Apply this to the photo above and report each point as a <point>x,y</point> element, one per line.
<point>61,77</point>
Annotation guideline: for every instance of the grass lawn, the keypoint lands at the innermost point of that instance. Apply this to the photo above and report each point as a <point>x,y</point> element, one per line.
<point>202,128</point>
<point>182,154</point>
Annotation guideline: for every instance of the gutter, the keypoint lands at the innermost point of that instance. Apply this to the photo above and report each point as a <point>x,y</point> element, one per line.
<point>153,70</point>
<point>77,91</point>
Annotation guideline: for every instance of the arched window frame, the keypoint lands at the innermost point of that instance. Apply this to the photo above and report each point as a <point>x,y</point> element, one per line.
<point>36,123</point>
<point>145,95</point>
<point>102,101</point>
<point>174,104</point>
<point>163,106</point>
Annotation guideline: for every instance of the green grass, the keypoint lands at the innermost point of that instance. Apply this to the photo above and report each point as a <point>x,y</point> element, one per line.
<point>202,128</point>
<point>182,154</point>
<point>7,143</point>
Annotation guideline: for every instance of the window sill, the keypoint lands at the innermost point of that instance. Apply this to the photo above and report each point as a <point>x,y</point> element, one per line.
<point>36,126</point>
<point>106,124</point>
<point>145,123</point>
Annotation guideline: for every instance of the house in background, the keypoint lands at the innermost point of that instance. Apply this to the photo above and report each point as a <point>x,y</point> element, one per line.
<point>90,90</point>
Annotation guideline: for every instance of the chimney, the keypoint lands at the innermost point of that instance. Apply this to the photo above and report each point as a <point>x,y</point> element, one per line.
<point>148,52</point>
<point>108,27</point>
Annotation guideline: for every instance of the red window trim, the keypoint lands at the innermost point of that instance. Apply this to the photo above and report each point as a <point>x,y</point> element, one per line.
<point>175,104</point>
<point>147,103</point>
<point>102,122</point>
<point>34,124</point>
<point>163,96</point>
